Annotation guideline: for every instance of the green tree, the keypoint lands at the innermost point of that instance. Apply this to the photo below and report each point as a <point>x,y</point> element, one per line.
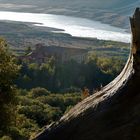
<point>8,72</point>
<point>37,92</point>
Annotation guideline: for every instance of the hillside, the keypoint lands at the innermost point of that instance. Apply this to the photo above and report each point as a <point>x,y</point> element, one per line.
<point>22,35</point>
<point>115,12</point>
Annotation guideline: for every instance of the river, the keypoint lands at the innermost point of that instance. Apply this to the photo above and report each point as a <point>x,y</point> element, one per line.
<point>79,27</point>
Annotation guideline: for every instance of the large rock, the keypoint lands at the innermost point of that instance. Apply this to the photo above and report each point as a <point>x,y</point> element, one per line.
<point>110,114</point>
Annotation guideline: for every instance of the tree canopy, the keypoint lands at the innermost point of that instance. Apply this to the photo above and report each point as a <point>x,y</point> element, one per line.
<point>8,72</point>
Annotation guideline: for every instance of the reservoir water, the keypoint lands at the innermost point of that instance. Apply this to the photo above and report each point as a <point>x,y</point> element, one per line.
<point>79,27</point>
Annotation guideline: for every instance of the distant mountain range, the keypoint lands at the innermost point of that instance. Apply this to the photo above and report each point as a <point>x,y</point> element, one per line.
<point>115,12</point>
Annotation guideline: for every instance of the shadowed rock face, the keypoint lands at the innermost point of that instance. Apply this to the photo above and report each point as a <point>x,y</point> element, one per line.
<point>110,114</point>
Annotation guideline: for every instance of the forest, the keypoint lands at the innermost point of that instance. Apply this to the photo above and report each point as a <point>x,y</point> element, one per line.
<point>33,95</point>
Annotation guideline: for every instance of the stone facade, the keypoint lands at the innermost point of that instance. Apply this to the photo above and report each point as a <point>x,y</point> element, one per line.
<point>62,54</point>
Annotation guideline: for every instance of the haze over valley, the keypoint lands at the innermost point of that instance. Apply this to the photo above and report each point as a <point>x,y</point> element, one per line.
<point>114,12</point>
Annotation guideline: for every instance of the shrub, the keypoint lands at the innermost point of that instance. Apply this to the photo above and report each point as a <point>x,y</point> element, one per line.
<point>37,92</point>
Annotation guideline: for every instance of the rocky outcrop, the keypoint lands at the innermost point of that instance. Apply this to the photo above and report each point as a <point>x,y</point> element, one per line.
<point>110,114</point>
